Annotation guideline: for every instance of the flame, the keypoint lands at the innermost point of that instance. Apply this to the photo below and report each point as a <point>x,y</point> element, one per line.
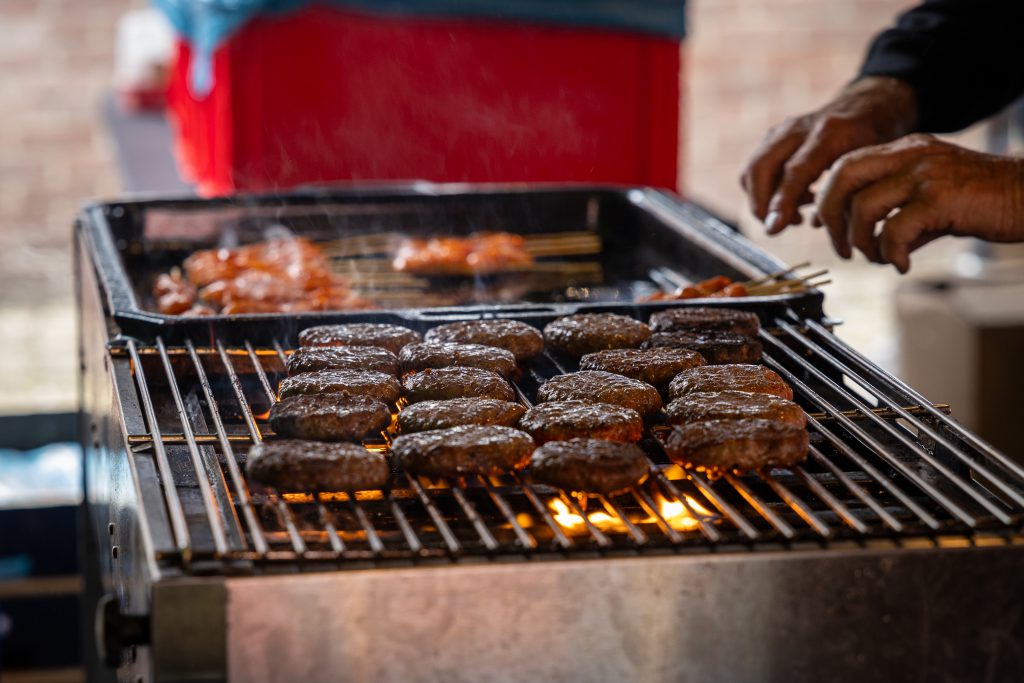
<point>672,511</point>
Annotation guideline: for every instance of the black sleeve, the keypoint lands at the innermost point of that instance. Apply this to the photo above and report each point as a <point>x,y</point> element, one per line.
<point>963,58</point>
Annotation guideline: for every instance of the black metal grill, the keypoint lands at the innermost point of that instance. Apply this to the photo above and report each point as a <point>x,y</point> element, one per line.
<point>885,466</point>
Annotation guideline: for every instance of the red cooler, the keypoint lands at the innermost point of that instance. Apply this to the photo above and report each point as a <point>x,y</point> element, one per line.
<point>325,95</point>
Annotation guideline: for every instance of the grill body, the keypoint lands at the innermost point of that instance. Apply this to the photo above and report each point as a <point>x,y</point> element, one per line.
<point>893,554</point>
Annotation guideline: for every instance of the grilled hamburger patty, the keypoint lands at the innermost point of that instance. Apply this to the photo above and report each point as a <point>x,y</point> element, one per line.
<point>391,337</point>
<point>561,420</point>
<point>416,357</point>
<point>328,417</point>
<point>716,347</point>
<point>730,405</point>
<point>522,340</point>
<point>427,415</point>
<point>748,443</point>
<point>469,449</point>
<point>296,465</point>
<point>596,386</point>
<point>576,335</point>
<point>440,384</point>
<point>757,379</point>
<point>313,358</point>
<point>590,465</point>
<point>376,385</point>
<point>657,367</point>
<point>706,319</point>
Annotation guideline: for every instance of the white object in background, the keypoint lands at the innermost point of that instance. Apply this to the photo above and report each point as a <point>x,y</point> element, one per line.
<point>142,56</point>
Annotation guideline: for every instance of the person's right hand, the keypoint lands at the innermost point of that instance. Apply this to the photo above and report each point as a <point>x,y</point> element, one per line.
<point>777,179</point>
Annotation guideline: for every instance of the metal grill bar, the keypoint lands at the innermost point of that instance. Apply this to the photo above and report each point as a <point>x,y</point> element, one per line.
<point>741,522</point>
<point>596,533</point>
<point>179,527</point>
<point>615,510</point>
<point>337,545</point>
<point>709,531</point>
<point>442,526</point>
<point>560,536</point>
<point>978,467</point>
<point>762,508</point>
<point>259,541</point>
<point>856,490</point>
<point>867,439</point>
<point>794,501</point>
<point>473,516</point>
<point>830,500</point>
<point>524,539</point>
<point>652,510</point>
<point>220,541</point>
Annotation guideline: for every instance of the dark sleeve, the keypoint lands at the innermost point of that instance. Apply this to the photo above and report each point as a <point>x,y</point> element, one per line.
<point>963,58</point>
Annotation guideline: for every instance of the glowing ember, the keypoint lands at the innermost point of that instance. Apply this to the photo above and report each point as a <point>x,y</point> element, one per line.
<point>674,513</point>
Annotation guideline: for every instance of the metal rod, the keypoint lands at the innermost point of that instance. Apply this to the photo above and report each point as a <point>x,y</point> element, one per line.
<point>596,533</point>
<point>762,508</point>
<point>978,467</point>
<point>614,509</point>
<point>708,530</point>
<point>411,539</point>
<point>259,541</point>
<point>298,544</point>
<point>855,488</point>
<point>212,509</point>
<point>952,507</point>
<point>442,526</point>
<point>896,384</point>
<point>179,527</point>
<point>741,522</point>
<point>796,504</point>
<point>522,537</point>
<point>837,505</point>
<point>372,538</point>
<point>651,509</point>
<point>890,486</point>
<point>337,545</point>
<point>556,529</point>
<point>474,518</point>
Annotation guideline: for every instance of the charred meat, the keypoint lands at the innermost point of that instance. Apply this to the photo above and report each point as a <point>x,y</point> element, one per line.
<point>561,420</point>
<point>476,254</point>
<point>757,379</point>
<point>716,347</point>
<point>390,337</point>
<point>657,367</point>
<point>417,357</point>
<point>427,415</point>
<point>577,335</point>
<point>376,385</point>
<point>300,466</point>
<point>749,443</point>
<point>731,405</point>
<point>522,340</point>
<point>705,319</point>
<point>441,384</point>
<point>590,465</point>
<point>314,358</point>
<point>469,449</point>
<point>596,386</point>
<point>329,417</point>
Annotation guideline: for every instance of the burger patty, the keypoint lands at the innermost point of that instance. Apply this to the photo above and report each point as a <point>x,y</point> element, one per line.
<point>716,347</point>
<point>757,379</point>
<point>313,358</point>
<point>390,337</point>
<point>296,465</point>
<point>416,357</point>
<point>591,465</point>
<point>576,335</point>
<point>328,417</point>
<point>748,443</point>
<point>595,386</point>
<point>376,385</point>
<point>441,384</point>
<point>522,340</point>
<point>426,415</point>
<point>731,405</point>
<point>706,319</point>
<point>561,420</point>
<point>657,367</point>
<point>469,449</point>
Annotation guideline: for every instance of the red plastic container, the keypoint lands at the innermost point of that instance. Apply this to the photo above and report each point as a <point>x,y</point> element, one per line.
<point>326,95</point>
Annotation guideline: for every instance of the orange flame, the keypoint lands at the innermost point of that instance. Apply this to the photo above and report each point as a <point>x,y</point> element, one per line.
<point>674,513</point>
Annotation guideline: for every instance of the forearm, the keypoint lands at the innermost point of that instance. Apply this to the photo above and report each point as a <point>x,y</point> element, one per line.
<point>960,57</point>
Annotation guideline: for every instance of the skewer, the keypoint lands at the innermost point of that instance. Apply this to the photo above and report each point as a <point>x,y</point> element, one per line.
<point>775,276</point>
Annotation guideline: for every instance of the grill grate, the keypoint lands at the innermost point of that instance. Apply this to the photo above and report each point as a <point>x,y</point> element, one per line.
<point>885,466</point>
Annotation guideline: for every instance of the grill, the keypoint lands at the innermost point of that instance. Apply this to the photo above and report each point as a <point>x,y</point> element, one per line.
<point>893,489</point>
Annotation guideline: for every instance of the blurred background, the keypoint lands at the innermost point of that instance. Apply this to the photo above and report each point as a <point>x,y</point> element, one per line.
<point>71,87</point>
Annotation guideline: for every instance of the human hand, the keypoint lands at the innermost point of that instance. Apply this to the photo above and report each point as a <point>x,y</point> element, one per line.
<point>795,153</point>
<point>920,188</point>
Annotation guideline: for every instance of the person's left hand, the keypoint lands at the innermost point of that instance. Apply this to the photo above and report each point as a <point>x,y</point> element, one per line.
<point>919,188</point>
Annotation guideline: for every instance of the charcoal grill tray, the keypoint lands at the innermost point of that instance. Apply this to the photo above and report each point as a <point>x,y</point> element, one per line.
<point>640,228</point>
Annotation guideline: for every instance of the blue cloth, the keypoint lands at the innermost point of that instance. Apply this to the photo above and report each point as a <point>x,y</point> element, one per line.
<point>207,23</point>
